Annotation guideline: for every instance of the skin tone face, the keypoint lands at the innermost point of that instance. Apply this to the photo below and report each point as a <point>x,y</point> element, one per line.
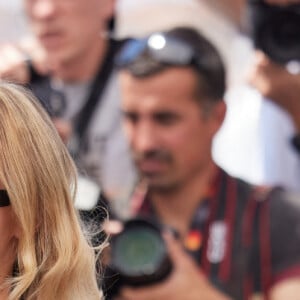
<point>7,242</point>
<point>68,29</point>
<point>169,134</point>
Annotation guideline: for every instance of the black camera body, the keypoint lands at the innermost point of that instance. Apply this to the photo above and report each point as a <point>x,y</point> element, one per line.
<point>276,30</point>
<point>138,253</point>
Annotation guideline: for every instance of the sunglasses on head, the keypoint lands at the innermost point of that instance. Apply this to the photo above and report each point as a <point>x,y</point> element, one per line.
<point>149,55</point>
<point>4,198</point>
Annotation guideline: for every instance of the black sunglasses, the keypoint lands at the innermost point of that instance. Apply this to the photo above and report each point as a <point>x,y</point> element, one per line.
<point>145,56</point>
<point>4,198</point>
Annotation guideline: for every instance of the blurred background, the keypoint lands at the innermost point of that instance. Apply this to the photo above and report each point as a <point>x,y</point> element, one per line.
<point>12,20</point>
<point>220,20</point>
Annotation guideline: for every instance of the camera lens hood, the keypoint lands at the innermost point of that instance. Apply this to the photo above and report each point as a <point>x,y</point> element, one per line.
<point>139,253</point>
<point>276,30</point>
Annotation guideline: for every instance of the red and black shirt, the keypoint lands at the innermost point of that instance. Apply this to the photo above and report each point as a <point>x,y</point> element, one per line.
<point>244,238</point>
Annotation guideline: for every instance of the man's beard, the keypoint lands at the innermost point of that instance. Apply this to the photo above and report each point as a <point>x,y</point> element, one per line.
<point>156,182</point>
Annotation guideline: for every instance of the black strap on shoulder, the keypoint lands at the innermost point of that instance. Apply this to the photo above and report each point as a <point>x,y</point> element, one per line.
<point>40,85</point>
<point>97,89</point>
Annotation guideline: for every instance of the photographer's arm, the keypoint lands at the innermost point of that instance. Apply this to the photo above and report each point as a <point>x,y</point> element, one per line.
<point>186,281</point>
<point>277,84</point>
<point>15,58</point>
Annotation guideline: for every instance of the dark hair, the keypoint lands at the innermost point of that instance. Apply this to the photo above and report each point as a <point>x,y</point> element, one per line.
<point>197,52</point>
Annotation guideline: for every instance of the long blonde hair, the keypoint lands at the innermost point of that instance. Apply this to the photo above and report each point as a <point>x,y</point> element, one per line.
<point>53,258</point>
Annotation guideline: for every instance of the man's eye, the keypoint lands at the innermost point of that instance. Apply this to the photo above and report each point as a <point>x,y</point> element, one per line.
<point>130,117</point>
<point>166,119</point>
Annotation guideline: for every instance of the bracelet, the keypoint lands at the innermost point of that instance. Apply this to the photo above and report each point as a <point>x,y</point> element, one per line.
<point>296,142</point>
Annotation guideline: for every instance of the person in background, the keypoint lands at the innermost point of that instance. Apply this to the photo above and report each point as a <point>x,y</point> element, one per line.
<point>72,74</point>
<point>282,87</point>
<point>235,240</point>
<point>255,141</point>
<point>43,251</point>
<point>259,140</point>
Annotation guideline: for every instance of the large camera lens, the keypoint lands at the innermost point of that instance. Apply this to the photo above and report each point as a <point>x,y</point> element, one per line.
<point>139,253</point>
<point>276,30</point>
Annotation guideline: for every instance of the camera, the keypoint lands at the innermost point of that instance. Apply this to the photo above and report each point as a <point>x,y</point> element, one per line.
<point>139,254</point>
<point>276,30</point>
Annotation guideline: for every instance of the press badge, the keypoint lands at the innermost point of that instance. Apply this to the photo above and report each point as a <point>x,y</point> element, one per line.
<point>216,242</point>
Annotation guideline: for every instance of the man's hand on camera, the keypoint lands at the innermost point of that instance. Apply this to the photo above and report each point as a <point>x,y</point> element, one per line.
<point>185,282</point>
<point>276,83</point>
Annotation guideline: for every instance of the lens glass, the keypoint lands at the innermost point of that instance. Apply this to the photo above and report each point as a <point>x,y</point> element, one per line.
<point>138,251</point>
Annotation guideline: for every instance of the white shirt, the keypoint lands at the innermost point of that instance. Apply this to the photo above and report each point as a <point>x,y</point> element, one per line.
<point>107,160</point>
<point>254,142</point>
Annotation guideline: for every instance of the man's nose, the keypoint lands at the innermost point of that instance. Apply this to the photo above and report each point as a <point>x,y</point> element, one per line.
<point>43,9</point>
<point>145,138</point>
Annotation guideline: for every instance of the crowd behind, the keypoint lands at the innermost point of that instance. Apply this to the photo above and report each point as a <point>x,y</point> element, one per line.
<point>179,115</point>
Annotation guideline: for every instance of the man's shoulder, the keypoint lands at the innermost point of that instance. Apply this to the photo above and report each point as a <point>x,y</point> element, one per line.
<point>276,195</point>
<point>281,205</point>
<point>268,224</point>
<point>277,198</point>
<point>284,206</point>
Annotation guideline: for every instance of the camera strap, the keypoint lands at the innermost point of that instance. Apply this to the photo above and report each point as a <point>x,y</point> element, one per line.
<point>138,203</point>
<point>42,88</point>
<point>194,240</point>
<point>198,229</point>
<point>97,88</point>
<point>211,230</point>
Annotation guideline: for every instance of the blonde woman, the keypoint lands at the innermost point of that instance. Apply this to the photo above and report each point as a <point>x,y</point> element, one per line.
<point>43,252</point>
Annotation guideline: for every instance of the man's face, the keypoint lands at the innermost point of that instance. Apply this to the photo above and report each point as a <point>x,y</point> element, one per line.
<point>169,134</point>
<point>67,29</point>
